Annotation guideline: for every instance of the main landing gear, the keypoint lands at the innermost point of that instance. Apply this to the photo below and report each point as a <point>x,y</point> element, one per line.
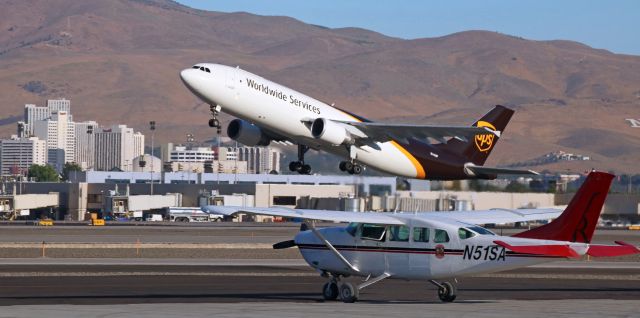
<point>214,122</point>
<point>299,165</point>
<point>446,291</point>
<point>351,167</point>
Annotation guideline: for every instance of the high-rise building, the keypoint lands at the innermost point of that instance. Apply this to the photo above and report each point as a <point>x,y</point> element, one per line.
<point>191,154</point>
<point>33,113</point>
<point>59,133</point>
<point>85,143</point>
<point>18,154</point>
<point>259,159</point>
<point>116,147</point>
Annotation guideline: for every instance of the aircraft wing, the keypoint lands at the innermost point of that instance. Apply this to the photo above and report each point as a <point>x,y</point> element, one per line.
<point>321,215</point>
<point>382,132</point>
<point>494,216</point>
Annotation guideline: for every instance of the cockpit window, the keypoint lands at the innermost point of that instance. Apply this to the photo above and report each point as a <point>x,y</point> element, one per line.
<point>465,234</point>
<point>202,68</point>
<point>398,233</point>
<point>352,228</point>
<point>372,232</point>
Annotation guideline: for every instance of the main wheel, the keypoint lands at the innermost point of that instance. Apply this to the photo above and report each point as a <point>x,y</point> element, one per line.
<point>348,167</point>
<point>447,293</point>
<point>330,291</point>
<point>295,166</point>
<point>212,123</point>
<point>348,293</point>
<point>343,166</point>
<point>357,169</point>
<point>305,169</point>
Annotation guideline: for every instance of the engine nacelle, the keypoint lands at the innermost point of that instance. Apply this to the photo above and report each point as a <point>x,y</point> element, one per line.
<point>247,133</point>
<point>331,132</point>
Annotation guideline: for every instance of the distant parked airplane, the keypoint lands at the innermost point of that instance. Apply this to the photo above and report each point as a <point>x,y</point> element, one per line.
<point>269,112</point>
<point>435,245</point>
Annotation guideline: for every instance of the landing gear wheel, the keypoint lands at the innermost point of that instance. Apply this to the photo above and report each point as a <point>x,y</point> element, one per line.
<point>295,166</point>
<point>348,293</point>
<point>214,123</point>
<point>343,165</point>
<point>447,292</point>
<point>305,169</point>
<point>357,169</point>
<point>348,166</point>
<point>330,291</point>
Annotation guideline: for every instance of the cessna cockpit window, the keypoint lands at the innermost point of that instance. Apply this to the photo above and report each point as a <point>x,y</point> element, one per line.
<point>441,237</point>
<point>352,228</point>
<point>420,234</point>
<point>398,233</point>
<point>372,232</point>
<point>465,234</point>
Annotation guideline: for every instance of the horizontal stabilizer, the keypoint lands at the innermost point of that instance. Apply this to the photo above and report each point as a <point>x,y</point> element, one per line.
<point>479,170</point>
<point>612,250</point>
<point>546,250</point>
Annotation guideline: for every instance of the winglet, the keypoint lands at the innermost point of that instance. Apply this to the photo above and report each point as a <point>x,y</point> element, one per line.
<point>546,250</point>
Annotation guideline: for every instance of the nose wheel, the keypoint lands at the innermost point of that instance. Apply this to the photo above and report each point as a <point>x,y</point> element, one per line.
<point>350,167</point>
<point>214,122</point>
<point>299,165</point>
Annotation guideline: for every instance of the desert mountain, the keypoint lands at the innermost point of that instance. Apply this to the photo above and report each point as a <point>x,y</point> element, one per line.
<point>118,62</point>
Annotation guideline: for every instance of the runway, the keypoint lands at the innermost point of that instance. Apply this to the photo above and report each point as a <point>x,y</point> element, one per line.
<point>243,288</point>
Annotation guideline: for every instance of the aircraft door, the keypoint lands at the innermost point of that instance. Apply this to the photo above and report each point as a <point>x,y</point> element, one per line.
<point>370,243</point>
<point>397,249</point>
<point>420,243</point>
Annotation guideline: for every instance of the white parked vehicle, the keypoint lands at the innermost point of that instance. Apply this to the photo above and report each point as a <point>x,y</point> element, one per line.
<point>192,214</point>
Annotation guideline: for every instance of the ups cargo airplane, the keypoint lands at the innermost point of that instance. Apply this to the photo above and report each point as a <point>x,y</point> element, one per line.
<point>268,112</point>
<point>438,246</point>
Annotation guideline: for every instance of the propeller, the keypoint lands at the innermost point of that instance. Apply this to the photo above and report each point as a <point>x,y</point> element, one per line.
<point>284,244</point>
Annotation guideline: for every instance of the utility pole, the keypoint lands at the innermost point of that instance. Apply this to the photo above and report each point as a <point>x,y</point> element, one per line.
<point>152,127</point>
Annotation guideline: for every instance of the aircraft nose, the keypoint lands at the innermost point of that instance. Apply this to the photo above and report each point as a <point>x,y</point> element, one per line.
<point>188,76</point>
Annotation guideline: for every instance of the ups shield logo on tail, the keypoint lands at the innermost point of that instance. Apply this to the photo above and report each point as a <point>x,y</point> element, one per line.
<point>484,142</point>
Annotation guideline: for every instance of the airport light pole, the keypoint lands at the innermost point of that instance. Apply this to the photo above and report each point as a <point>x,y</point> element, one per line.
<point>190,140</point>
<point>152,127</point>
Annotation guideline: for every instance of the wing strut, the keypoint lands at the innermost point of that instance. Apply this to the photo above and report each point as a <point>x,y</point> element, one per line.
<point>315,231</point>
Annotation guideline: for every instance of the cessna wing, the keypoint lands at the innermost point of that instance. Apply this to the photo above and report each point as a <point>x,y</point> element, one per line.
<point>383,132</point>
<point>494,216</point>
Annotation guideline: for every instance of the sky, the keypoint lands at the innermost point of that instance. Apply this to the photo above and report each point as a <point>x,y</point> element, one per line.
<point>610,25</point>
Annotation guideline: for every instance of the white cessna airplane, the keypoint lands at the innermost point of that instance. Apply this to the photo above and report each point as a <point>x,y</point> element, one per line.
<point>435,246</point>
<point>268,112</point>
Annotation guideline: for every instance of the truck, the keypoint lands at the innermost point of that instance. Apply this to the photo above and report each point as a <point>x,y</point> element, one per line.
<point>192,214</point>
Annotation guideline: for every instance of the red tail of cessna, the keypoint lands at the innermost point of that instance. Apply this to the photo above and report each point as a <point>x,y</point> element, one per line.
<point>437,247</point>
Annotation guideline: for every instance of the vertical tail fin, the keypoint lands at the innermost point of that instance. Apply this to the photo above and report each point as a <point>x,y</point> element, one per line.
<point>477,150</point>
<point>578,221</point>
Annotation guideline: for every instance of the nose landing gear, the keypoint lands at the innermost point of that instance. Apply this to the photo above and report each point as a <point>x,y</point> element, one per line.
<point>214,122</point>
<point>299,165</point>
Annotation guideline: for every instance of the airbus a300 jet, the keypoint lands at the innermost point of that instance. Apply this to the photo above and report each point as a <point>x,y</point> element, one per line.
<point>267,111</point>
<point>438,247</point>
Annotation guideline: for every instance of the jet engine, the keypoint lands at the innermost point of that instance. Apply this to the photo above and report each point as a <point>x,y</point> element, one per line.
<point>331,132</point>
<point>247,133</point>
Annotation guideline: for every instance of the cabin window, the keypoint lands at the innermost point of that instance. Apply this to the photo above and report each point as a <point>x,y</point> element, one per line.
<point>420,234</point>
<point>399,233</point>
<point>465,234</point>
<point>480,230</point>
<point>372,232</point>
<point>441,236</point>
